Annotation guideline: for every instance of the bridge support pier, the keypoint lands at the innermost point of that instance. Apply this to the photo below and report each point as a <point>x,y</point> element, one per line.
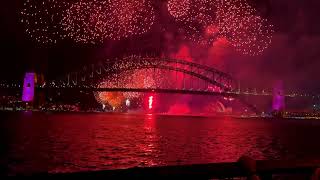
<point>278,103</point>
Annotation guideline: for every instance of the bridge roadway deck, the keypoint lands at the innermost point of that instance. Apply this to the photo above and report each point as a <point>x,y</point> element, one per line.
<point>160,90</point>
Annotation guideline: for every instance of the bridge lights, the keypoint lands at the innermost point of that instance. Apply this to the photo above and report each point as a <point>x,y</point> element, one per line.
<point>228,98</point>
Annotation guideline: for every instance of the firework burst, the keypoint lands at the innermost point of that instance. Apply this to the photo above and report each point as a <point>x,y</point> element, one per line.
<point>41,20</point>
<point>85,21</point>
<point>114,99</point>
<point>195,11</point>
<point>179,8</point>
<point>203,21</point>
<point>248,33</point>
<point>129,17</point>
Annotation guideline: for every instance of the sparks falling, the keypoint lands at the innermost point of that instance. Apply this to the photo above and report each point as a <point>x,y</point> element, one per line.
<point>41,20</point>
<point>199,21</point>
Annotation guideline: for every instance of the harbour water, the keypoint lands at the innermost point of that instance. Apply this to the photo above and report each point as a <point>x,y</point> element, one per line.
<point>33,142</point>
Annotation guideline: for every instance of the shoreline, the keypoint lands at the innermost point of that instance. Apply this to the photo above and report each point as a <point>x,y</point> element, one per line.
<point>201,115</point>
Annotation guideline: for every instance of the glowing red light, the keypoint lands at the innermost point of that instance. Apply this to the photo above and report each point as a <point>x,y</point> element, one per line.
<point>150,102</point>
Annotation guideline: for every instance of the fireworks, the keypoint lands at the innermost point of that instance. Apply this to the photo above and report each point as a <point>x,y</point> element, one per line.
<point>133,79</point>
<point>114,99</point>
<point>205,11</point>
<point>193,17</point>
<point>150,102</point>
<point>136,72</point>
<point>129,17</point>
<point>85,21</point>
<point>247,32</point>
<point>195,11</point>
<point>41,18</point>
<point>199,34</point>
<point>252,36</point>
<point>179,8</point>
<point>203,21</point>
<point>93,21</point>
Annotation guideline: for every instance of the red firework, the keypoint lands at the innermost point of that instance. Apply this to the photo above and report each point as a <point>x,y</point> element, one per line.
<point>248,33</point>
<point>195,11</point>
<point>129,17</point>
<point>85,21</point>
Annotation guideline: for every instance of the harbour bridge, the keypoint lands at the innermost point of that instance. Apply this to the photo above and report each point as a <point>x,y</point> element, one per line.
<point>152,75</point>
<point>167,76</point>
<point>180,76</point>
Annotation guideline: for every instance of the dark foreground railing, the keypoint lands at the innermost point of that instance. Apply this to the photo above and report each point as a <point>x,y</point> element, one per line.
<point>245,167</point>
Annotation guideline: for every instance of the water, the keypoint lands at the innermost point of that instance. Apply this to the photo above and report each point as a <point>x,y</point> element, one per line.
<point>68,142</point>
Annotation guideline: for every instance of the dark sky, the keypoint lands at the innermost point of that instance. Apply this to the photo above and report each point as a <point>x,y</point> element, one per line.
<point>294,55</point>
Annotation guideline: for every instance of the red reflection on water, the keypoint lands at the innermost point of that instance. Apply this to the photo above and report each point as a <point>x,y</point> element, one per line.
<point>81,142</point>
<point>235,139</point>
<point>148,149</point>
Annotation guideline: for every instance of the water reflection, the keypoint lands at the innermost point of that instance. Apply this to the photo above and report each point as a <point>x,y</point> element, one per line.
<point>80,142</point>
<point>149,147</point>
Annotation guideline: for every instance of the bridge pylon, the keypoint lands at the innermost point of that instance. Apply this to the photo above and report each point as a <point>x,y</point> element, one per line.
<point>278,103</point>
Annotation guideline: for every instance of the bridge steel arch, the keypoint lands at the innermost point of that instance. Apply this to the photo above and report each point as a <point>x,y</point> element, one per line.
<point>83,79</point>
<point>88,74</point>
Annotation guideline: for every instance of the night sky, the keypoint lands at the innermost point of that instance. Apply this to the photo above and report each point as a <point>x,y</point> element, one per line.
<point>294,55</point>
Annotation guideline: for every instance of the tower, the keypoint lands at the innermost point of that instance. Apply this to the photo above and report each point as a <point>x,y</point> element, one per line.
<point>28,87</point>
<point>278,103</point>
